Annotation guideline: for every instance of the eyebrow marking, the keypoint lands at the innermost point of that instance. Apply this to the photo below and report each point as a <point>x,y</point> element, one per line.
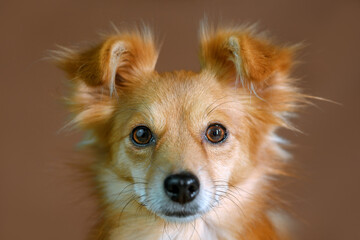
<point>220,104</point>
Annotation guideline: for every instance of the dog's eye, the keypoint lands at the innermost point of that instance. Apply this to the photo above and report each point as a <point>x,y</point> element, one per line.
<point>141,135</point>
<point>216,133</point>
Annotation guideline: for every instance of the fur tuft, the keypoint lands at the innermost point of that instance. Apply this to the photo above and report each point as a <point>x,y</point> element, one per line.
<point>240,54</point>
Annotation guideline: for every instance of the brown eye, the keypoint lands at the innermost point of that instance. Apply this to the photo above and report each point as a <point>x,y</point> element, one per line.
<point>141,135</point>
<point>216,133</point>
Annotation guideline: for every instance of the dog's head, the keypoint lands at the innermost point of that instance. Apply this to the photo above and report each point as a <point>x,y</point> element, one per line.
<point>177,142</point>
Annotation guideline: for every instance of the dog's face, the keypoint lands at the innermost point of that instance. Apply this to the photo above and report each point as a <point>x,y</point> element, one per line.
<point>182,138</point>
<point>176,142</point>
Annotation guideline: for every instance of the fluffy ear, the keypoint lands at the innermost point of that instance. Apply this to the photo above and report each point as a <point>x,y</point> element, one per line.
<point>237,55</point>
<point>120,57</point>
<point>98,72</point>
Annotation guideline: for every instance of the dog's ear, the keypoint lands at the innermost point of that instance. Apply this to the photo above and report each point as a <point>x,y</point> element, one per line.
<point>102,73</point>
<point>118,58</point>
<point>243,60</point>
<point>240,58</point>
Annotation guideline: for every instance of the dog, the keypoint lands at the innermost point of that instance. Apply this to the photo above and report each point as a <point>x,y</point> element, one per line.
<point>186,155</point>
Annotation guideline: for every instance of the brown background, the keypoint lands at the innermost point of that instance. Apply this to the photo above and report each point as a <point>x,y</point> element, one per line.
<point>39,197</point>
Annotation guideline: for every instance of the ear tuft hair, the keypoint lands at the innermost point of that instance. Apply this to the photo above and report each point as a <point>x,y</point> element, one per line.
<point>235,54</point>
<point>124,55</point>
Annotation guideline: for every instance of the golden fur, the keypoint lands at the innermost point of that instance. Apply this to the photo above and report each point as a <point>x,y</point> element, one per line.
<point>244,84</point>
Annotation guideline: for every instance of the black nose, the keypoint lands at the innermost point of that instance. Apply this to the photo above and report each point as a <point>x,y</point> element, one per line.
<point>182,187</point>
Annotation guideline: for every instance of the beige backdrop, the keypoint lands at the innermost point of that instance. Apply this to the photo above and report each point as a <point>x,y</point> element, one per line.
<point>39,195</point>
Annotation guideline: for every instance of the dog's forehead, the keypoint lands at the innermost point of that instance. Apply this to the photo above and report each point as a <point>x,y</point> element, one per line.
<point>177,99</point>
<point>182,92</point>
<point>170,100</point>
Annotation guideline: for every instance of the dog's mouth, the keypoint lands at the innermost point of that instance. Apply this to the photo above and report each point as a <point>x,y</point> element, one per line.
<point>180,214</point>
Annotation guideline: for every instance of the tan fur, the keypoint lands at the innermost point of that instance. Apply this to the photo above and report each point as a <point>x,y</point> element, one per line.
<point>243,85</point>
